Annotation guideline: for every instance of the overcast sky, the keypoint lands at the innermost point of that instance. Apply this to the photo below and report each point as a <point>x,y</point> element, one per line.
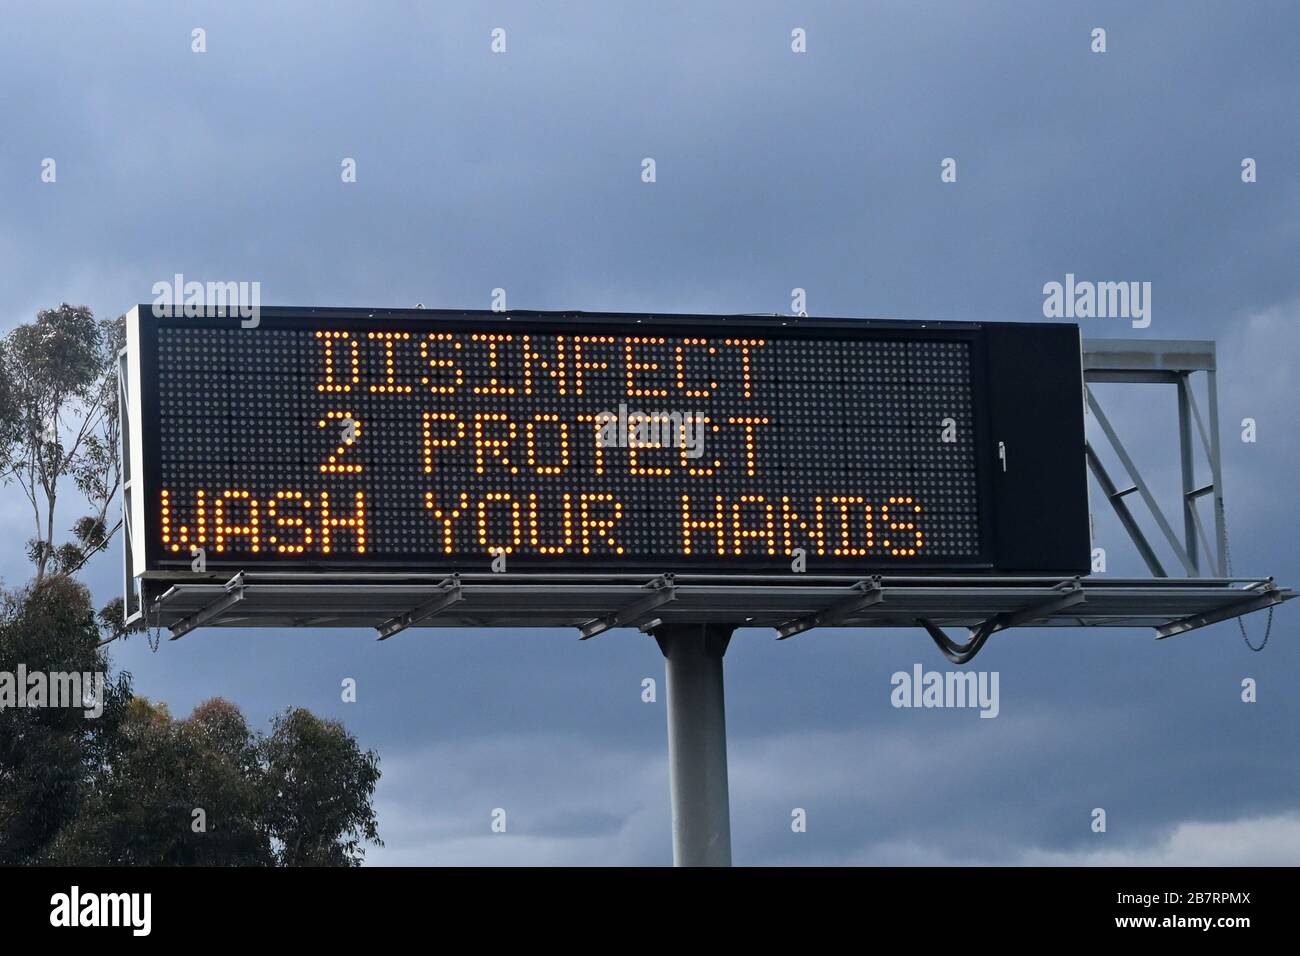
<point>775,170</point>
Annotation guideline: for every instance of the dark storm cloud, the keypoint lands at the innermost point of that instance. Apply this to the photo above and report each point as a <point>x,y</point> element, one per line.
<point>775,171</point>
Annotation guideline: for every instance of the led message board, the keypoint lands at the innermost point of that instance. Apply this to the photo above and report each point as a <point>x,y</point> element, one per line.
<point>389,440</point>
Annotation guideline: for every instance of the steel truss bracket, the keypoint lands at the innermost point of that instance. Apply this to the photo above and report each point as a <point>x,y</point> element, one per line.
<point>234,589</point>
<point>1072,594</point>
<point>449,593</point>
<point>662,590</point>
<point>865,594</point>
<point>1266,594</point>
<point>1199,549</point>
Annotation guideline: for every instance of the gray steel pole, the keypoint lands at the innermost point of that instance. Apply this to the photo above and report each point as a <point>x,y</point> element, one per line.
<point>1187,457</point>
<point>1216,474</point>
<point>697,742</point>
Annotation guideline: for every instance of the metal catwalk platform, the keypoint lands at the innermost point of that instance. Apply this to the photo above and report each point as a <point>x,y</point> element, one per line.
<point>392,603</point>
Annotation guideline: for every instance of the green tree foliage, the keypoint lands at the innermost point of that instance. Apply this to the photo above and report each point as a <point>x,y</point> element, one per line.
<point>176,793</point>
<point>50,757</point>
<point>320,786</point>
<point>124,788</point>
<point>135,786</point>
<point>207,791</point>
<point>59,422</point>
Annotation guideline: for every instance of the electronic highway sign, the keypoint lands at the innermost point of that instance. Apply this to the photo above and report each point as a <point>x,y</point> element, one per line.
<point>423,440</point>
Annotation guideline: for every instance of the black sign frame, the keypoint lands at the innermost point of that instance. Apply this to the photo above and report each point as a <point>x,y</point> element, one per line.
<point>1007,540</point>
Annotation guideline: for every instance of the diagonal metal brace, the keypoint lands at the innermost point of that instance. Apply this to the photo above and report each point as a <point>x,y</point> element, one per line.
<point>1116,499</point>
<point>449,593</point>
<point>1071,594</point>
<point>963,653</point>
<point>208,615</point>
<point>866,593</point>
<point>1250,601</point>
<point>1189,566</point>
<point>662,591</point>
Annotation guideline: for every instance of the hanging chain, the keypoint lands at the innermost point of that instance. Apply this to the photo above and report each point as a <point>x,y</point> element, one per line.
<point>1241,624</point>
<point>155,639</point>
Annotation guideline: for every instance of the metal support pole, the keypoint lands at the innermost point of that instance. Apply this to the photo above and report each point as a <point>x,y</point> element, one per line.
<point>697,742</point>
<point>1187,458</point>
<point>1216,475</point>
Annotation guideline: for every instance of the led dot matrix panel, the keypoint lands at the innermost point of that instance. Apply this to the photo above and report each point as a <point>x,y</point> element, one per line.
<point>420,440</point>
